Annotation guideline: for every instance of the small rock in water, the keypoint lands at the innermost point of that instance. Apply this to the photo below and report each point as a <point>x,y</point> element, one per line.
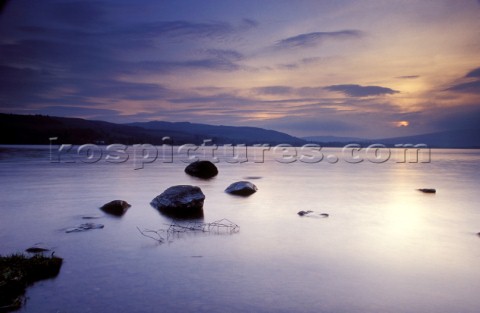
<point>84,227</point>
<point>427,190</point>
<point>241,188</point>
<point>478,234</point>
<point>36,250</point>
<point>324,215</point>
<point>302,213</point>
<point>116,207</point>
<point>202,169</point>
<point>253,177</point>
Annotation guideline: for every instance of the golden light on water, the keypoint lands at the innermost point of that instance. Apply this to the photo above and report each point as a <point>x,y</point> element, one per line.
<point>403,219</point>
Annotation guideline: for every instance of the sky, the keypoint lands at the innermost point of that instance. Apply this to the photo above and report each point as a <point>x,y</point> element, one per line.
<point>360,68</point>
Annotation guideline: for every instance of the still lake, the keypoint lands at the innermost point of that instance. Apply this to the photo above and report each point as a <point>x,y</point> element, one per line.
<point>385,246</point>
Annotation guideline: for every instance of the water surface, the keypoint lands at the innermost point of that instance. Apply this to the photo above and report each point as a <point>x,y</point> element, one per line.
<point>385,246</point>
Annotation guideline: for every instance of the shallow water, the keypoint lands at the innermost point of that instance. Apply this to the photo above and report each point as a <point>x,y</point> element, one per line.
<point>385,246</point>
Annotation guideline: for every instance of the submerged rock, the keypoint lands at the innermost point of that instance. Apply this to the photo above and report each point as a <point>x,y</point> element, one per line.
<point>92,217</point>
<point>116,207</point>
<point>302,213</point>
<point>202,169</point>
<point>427,190</point>
<point>36,250</point>
<point>84,227</point>
<point>182,201</point>
<point>241,188</point>
<point>309,214</point>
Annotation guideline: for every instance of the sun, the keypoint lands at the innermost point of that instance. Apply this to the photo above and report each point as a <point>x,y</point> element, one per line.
<point>402,123</point>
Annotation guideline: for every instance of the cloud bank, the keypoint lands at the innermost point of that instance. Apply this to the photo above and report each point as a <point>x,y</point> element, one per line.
<point>308,40</point>
<point>361,91</point>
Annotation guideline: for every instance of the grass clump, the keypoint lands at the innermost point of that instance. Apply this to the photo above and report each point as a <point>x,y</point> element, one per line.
<point>18,271</point>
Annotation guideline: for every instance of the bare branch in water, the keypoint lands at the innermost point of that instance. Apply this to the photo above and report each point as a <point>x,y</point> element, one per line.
<point>175,229</point>
<point>153,234</point>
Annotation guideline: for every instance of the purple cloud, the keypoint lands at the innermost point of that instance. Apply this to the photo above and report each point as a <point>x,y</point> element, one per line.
<point>468,86</point>
<point>408,77</point>
<point>361,91</point>
<point>274,90</point>
<point>471,87</point>
<point>316,38</point>
<point>474,73</point>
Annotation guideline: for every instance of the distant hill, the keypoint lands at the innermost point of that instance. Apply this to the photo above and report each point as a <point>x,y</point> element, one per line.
<point>224,134</point>
<point>37,129</point>
<point>334,139</point>
<point>469,138</point>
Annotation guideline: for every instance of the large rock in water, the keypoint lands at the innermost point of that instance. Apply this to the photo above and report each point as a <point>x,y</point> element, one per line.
<point>116,207</point>
<point>241,188</point>
<point>202,169</point>
<point>183,201</point>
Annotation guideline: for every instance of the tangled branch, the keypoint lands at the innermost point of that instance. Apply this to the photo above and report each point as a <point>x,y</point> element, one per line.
<point>177,228</point>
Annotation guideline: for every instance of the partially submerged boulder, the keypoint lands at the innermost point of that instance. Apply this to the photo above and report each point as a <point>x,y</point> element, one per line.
<point>309,213</point>
<point>241,188</point>
<point>303,213</point>
<point>36,249</point>
<point>116,207</point>
<point>84,227</point>
<point>427,190</point>
<point>202,169</point>
<point>91,217</point>
<point>182,201</point>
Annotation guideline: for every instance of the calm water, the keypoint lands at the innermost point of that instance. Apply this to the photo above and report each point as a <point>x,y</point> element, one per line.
<point>385,247</point>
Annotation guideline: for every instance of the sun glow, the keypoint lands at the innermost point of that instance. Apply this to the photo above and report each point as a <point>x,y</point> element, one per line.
<point>402,124</point>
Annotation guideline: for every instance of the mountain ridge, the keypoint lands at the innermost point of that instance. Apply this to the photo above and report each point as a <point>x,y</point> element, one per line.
<point>334,139</point>
<point>38,129</point>
<point>458,138</point>
<point>226,134</point>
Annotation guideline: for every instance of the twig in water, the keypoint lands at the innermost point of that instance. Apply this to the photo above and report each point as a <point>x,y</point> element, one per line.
<point>146,232</point>
<point>177,228</point>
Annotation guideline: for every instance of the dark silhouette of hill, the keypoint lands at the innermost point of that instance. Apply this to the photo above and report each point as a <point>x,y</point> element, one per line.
<point>37,129</point>
<point>224,134</point>
<point>333,139</point>
<point>467,138</point>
